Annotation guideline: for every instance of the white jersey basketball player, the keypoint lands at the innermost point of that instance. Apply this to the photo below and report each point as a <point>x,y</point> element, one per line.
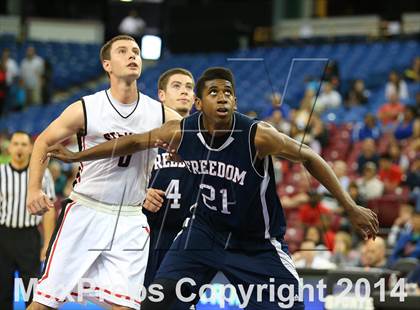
<point>100,247</point>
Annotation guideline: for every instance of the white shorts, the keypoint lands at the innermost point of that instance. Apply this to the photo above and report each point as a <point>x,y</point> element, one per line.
<point>94,257</point>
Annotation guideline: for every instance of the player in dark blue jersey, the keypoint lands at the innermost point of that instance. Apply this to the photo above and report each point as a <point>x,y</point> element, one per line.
<point>238,225</point>
<point>169,179</point>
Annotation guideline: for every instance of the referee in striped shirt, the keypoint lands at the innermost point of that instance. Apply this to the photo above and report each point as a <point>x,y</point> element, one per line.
<point>20,242</point>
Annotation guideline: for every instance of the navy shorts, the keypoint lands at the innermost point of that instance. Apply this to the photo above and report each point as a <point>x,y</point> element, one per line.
<point>198,253</point>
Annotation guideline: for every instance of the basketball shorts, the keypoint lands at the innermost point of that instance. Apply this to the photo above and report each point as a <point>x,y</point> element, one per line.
<point>200,251</point>
<point>96,254</point>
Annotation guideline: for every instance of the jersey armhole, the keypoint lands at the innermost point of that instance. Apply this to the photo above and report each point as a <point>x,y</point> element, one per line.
<point>257,164</point>
<point>181,127</point>
<point>163,113</point>
<point>84,131</point>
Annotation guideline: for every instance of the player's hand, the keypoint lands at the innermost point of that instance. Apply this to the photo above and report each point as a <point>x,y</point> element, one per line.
<point>37,202</point>
<point>364,221</point>
<point>173,156</point>
<point>43,254</point>
<point>59,152</point>
<point>154,199</point>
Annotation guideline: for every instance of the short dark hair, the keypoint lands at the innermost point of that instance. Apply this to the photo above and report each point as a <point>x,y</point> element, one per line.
<point>386,156</point>
<point>21,132</point>
<point>105,53</point>
<point>165,76</point>
<point>213,73</point>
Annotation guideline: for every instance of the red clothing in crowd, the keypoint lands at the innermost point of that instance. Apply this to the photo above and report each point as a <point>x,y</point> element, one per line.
<point>392,175</point>
<point>312,215</point>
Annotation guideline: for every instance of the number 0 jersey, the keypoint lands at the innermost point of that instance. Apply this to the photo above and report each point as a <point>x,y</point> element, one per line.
<point>234,195</point>
<point>119,180</point>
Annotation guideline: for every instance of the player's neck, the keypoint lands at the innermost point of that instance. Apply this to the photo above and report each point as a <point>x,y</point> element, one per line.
<point>124,92</point>
<point>217,129</point>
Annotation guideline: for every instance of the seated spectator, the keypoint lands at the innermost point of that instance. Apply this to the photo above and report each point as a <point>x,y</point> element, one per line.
<point>368,154</point>
<point>389,112</point>
<point>342,254</point>
<point>408,244</point>
<point>355,194</point>
<point>397,157</point>
<point>358,93</point>
<point>389,173</point>
<point>17,96</point>
<point>373,253</point>
<point>369,129</point>
<point>310,213</point>
<point>275,105</point>
<point>409,126</point>
<point>340,169</point>
<point>413,182</point>
<point>309,257</point>
<point>396,86</point>
<point>370,186</point>
<point>277,121</point>
<point>318,130</point>
<point>329,98</point>
<point>413,73</point>
<point>401,225</point>
<point>315,234</point>
<point>60,179</point>
<point>12,68</point>
<point>332,74</point>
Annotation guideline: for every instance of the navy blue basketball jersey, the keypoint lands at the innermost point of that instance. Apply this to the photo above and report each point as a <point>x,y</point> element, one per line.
<point>177,183</point>
<point>236,193</point>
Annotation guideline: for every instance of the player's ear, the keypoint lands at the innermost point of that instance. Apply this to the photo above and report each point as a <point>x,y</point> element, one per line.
<point>235,105</point>
<point>106,64</point>
<point>197,103</point>
<point>161,95</point>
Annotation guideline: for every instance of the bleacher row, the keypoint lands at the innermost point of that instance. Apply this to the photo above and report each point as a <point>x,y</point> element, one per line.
<point>258,73</point>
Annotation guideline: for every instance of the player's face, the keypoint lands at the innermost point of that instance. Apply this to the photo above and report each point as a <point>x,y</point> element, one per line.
<point>20,148</point>
<point>179,93</point>
<point>125,60</point>
<point>218,101</point>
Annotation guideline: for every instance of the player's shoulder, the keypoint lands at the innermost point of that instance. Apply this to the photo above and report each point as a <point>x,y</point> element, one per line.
<point>149,100</point>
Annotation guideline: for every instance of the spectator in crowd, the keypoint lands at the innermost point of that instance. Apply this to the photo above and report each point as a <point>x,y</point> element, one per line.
<point>12,68</point>
<point>401,225</point>
<point>409,126</point>
<point>397,157</point>
<point>389,173</point>
<point>390,111</point>
<point>275,100</point>
<point>417,104</point>
<point>368,129</point>
<point>413,182</point>
<point>3,87</point>
<point>59,177</point>
<point>396,86</point>
<point>373,253</point>
<point>309,257</point>
<point>318,130</point>
<point>277,121</point>
<point>413,73</point>
<point>340,169</point>
<point>408,244</point>
<point>342,254</point>
<point>32,69</point>
<point>310,213</point>
<point>132,25</point>
<point>370,186</point>
<point>358,93</point>
<point>368,154</point>
<point>354,192</point>
<point>17,96</point>
<point>332,74</point>
<point>329,98</point>
<point>47,82</point>
<point>4,145</point>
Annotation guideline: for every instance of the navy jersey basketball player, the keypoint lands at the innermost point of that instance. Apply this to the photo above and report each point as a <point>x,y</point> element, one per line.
<point>238,224</point>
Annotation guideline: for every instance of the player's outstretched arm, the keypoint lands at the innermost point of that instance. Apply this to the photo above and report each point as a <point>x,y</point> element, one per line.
<point>268,141</point>
<point>67,124</point>
<point>169,133</point>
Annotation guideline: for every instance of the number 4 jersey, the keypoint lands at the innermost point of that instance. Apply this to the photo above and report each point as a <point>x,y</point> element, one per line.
<point>119,180</point>
<point>236,193</point>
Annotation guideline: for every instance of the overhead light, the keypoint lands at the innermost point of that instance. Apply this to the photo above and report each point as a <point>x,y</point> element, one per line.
<point>151,47</point>
<point>126,0</point>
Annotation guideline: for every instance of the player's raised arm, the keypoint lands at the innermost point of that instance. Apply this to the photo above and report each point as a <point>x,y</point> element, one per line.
<point>169,133</point>
<point>268,141</point>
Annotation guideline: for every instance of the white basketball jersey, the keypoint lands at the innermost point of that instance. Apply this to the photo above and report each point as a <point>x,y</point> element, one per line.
<point>119,180</point>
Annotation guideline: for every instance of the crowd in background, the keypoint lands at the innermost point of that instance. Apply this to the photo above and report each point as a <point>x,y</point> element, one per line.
<point>24,84</point>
